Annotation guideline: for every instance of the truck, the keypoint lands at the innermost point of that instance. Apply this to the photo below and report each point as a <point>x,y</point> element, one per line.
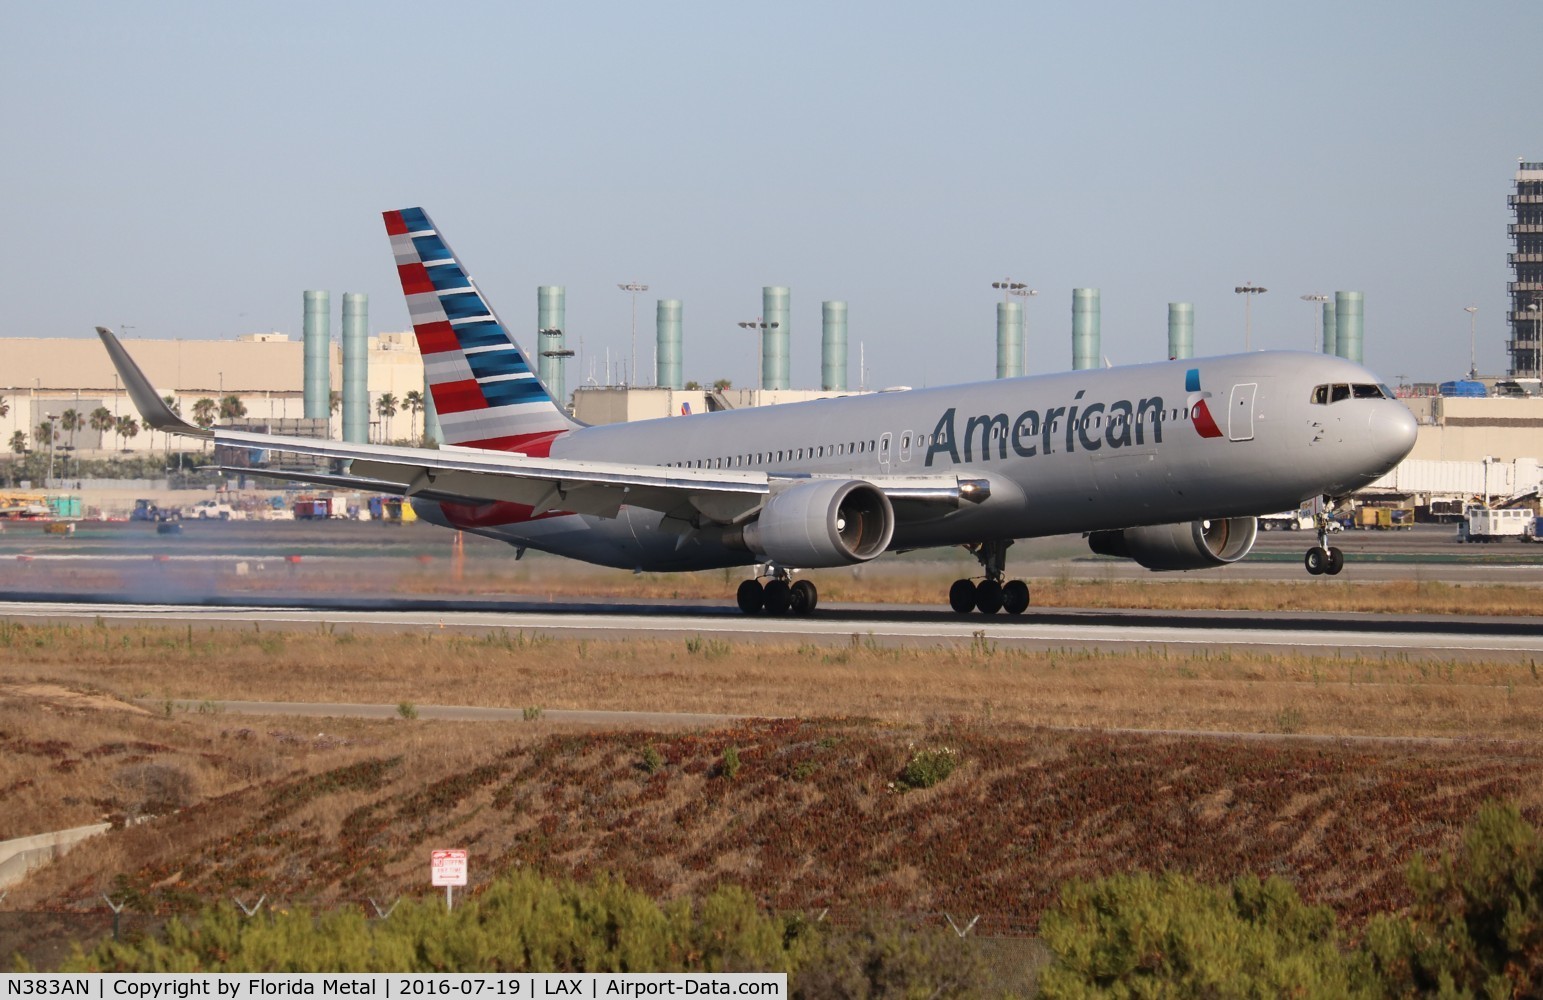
<point>1300,519</point>
<point>206,509</point>
<point>1490,524</point>
<point>1384,518</point>
<point>316,508</point>
<point>149,510</point>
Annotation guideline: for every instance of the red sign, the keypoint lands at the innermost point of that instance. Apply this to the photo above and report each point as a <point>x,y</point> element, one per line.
<point>448,867</point>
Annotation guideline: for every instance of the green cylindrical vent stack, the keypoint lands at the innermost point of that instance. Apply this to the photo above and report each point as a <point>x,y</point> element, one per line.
<point>1181,330</point>
<point>667,366</point>
<point>1085,328</point>
<point>833,346</point>
<point>775,339</point>
<point>356,375</point>
<point>1009,340</point>
<point>430,415</point>
<point>1330,331</point>
<point>1347,323</point>
<point>551,340</point>
<point>318,355</point>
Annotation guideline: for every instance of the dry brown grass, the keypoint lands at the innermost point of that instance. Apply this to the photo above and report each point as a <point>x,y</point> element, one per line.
<point>1230,690</point>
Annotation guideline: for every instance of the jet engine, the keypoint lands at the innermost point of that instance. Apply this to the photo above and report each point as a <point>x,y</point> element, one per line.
<point>1190,545</point>
<point>821,523</point>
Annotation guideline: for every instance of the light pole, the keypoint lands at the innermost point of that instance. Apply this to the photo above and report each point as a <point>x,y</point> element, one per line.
<point>1473,367</point>
<point>53,435</point>
<point>760,357</point>
<point>1317,301</point>
<point>634,288</point>
<point>1249,291</point>
<point>1010,287</point>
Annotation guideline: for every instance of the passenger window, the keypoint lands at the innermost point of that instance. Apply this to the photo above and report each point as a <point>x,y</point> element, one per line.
<point>1321,395</point>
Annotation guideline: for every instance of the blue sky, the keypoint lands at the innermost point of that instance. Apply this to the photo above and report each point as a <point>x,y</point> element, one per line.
<point>188,170</point>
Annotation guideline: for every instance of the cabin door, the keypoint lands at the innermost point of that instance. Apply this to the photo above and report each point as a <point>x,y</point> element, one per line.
<point>1240,412</point>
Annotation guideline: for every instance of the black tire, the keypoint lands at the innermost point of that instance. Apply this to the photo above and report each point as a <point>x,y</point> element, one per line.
<point>750,597</point>
<point>961,596</point>
<point>1315,560</point>
<point>988,597</point>
<point>778,596</point>
<point>1015,597</point>
<point>805,597</point>
<point>1335,563</point>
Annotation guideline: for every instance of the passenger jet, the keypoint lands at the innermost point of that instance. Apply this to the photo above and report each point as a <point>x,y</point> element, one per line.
<point>1167,464</point>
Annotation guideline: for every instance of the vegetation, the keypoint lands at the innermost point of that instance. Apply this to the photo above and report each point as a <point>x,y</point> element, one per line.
<point>523,922</point>
<point>1475,930</point>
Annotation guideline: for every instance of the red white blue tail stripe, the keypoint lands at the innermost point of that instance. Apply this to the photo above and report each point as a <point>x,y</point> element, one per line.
<point>484,390</point>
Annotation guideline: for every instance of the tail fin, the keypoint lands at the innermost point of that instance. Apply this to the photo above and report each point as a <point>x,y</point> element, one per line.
<point>484,390</point>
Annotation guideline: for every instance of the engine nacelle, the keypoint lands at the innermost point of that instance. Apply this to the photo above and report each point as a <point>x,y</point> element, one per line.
<point>1191,545</point>
<point>824,522</point>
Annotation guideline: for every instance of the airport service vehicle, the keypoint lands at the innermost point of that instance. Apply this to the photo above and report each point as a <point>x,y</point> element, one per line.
<point>206,509</point>
<point>149,510</point>
<point>1168,464</point>
<point>1489,524</point>
<point>1300,519</point>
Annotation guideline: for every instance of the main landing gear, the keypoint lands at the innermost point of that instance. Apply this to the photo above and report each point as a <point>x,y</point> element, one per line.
<point>990,595</point>
<point>1324,559</point>
<point>779,596</point>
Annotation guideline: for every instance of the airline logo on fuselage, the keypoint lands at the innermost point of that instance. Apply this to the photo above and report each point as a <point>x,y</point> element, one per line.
<point>1079,427</point>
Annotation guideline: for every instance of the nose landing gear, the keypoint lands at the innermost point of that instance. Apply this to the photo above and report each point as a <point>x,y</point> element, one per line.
<point>1324,559</point>
<point>992,594</point>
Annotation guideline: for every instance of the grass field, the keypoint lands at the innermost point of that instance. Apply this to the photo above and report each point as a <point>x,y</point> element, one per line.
<point>1070,766</point>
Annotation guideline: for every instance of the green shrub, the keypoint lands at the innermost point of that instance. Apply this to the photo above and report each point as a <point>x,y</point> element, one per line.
<point>521,922</point>
<point>653,760</point>
<point>730,767</point>
<point>1476,928</point>
<point>1144,935</point>
<point>928,767</point>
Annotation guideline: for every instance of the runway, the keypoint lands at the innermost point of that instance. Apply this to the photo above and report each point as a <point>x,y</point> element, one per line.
<point>1414,637</point>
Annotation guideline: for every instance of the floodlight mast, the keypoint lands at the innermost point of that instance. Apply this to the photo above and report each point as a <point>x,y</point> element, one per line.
<point>634,288</point>
<point>1249,290</point>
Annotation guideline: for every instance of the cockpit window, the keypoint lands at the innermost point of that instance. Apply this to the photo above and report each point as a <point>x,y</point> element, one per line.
<point>1361,390</point>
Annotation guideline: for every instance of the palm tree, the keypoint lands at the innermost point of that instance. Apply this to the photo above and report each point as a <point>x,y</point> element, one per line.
<point>19,443</point>
<point>203,412</point>
<point>5,407</point>
<point>101,421</point>
<point>386,406</point>
<point>127,427</point>
<point>413,399</point>
<point>44,433</point>
<point>71,421</point>
<point>231,408</point>
<point>172,404</point>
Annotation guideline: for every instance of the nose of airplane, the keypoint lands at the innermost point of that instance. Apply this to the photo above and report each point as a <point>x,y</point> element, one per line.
<point>1392,432</point>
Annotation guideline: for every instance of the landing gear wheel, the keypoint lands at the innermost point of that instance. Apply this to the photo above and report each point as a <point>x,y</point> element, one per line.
<point>1335,563</point>
<point>988,597</point>
<point>751,597</point>
<point>805,598</point>
<point>1015,597</point>
<point>778,597</point>
<point>961,596</point>
<point>1315,561</point>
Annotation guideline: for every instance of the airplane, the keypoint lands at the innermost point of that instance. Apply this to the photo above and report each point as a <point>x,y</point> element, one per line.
<point>1167,464</point>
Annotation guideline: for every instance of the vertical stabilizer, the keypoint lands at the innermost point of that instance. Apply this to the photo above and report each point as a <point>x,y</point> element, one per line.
<point>485,391</point>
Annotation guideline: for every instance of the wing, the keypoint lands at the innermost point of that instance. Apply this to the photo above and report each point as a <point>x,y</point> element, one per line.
<point>473,476</point>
